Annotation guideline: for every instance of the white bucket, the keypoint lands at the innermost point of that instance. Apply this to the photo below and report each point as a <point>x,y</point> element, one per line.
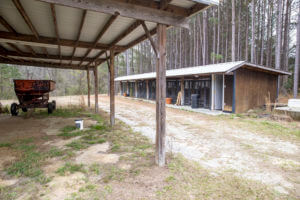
<point>79,124</point>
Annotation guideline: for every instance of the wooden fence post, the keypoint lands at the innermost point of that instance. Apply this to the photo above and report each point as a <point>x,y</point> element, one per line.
<point>88,87</point>
<point>112,88</point>
<point>160,157</point>
<point>96,89</point>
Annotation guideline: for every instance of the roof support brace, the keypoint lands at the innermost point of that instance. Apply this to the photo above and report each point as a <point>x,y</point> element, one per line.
<point>112,88</point>
<point>150,38</point>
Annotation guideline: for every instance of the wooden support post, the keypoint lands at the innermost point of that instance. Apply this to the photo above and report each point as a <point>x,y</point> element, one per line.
<point>121,88</point>
<point>112,88</point>
<point>147,89</point>
<point>160,156</point>
<point>88,87</point>
<point>136,89</point>
<point>182,90</point>
<point>212,91</point>
<point>127,88</point>
<point>96,89</point>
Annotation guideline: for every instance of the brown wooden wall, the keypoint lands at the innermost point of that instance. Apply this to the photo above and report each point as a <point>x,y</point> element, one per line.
<point>252,88</point>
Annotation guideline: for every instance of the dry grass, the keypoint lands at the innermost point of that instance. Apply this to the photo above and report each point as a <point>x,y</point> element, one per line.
<point>134,176</point>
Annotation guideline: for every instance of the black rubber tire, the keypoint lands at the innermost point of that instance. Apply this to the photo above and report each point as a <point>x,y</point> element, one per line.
<point>24,109</point>
<point>54,105</point>
<point>50,108</point>
<point>14,109</point>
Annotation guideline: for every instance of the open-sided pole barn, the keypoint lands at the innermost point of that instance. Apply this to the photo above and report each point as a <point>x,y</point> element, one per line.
<point>81,35</point>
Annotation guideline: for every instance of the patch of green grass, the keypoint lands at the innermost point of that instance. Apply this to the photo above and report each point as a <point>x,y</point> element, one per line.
<point>99,127</point>
<point>71,168</point>
<point>68,129</point>
<point>95,168</point>
<point>274,128</point>
<point>29,164</point>
<point>70,134</point>
<point>115,148</point>
<point>113,173</point>
<point>55,152</point>
<point>188,179</point>
<point>6,144</point>
<point>77,145</point>
<point>73,111</point>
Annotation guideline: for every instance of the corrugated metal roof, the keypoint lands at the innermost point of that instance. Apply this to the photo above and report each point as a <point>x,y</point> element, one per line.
<point>68,22</point>
<point>222,68</point>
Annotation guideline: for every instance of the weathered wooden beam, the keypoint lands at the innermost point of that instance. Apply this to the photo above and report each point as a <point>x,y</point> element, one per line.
<point>30,49</point>
<point>96,89</point>
<point>79,32</point>
<point>112,88</point>
<point>42,64</point>
<point>26,18</point>
<point>160,157</point>
<point>99,36</point>
<point>150,38</point>
<point>127,10</point>
<point>44,56</point>
<point>156,5</point>
<point>44,49</point>
<point>16,48</point>
<point>52,42</point>
<point>53,12</point>
<point>88,86</point>
<point>11,29</point>
<point>7,25</point>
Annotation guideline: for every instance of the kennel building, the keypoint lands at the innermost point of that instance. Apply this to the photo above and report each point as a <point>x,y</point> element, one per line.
<point>232,87</point>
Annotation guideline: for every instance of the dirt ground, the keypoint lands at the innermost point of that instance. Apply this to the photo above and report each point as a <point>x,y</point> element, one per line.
<point>217,143</point>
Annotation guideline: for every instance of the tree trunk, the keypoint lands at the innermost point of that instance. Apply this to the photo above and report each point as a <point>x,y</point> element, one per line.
<point>247,33</point>
<point>253,33</point>
<point>233,31</point>
<point>278,32</point>
<point>297,60</point>
<point>219,24</point>
<point>262,34</point>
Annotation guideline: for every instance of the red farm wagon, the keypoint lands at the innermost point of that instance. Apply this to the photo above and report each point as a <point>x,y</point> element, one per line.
<point>33,94</point>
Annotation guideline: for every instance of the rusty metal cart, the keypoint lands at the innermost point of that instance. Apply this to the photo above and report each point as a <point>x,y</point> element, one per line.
<point>33,94</point>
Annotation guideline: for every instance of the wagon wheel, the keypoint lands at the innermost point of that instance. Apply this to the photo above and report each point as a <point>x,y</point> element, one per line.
<point>24,109</point>
<point>50,108</point>
<point>54,105</point>
<point>14,109</point>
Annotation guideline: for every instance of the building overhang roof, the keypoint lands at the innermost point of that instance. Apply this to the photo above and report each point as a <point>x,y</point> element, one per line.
<point>80,34</point>
<point>221,68</point>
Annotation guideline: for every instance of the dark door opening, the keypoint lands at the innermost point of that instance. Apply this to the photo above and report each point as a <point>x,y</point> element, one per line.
<point>228,93</point>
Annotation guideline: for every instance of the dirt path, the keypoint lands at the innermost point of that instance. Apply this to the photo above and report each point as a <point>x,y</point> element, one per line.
<point>216,144</point>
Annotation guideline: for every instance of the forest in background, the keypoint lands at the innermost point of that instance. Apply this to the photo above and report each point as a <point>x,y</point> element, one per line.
<point>259,31</point>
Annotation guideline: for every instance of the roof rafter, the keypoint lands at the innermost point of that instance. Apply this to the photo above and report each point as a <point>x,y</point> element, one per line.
<point>43,56</point>
<point>102,32</point>
<point>125,9</point>
<point>52,42</point>
<point>7,25</point>
<point>41,64</point>
<point>26,18</point>
<point>79,33</point>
